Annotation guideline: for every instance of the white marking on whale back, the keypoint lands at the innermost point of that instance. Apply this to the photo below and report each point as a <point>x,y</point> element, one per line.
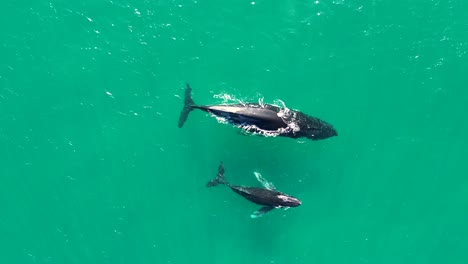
<point>268,185</point>
<point>284,198</point>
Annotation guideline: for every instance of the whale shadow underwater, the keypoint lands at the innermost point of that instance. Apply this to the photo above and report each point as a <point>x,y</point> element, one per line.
<point>262,119</point>
<point>268,197</point>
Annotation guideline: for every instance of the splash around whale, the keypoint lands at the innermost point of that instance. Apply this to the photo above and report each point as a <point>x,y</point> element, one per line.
<point>262,119</point>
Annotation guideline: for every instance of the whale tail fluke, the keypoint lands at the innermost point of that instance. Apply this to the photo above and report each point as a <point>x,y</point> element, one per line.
<point>188,105</point>
<point>219,177</point>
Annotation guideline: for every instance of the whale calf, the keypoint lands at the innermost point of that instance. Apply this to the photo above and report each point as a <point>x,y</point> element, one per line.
<point>263,119</point>
<point>269,198</point>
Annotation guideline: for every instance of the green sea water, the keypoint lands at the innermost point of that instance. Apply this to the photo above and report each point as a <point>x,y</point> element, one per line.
<point>95,170</point>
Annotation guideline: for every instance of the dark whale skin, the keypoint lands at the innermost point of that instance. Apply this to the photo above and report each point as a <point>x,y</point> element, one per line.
<point>263,119</point>
<point>269,198</point>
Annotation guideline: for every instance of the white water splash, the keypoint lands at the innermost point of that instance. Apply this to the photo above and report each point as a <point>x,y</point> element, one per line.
<point>285,112</point>
<point>220,119</point>
<point>110,94</point>
<point>260,102</point>
<point>227,98</point>
<point>288,116</point>
<point>254,130</point>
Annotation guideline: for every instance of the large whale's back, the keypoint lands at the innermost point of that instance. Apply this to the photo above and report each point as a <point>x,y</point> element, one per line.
<point>263,117</point>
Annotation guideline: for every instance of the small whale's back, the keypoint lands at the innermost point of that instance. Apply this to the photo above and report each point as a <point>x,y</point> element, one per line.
<point>259,195</point>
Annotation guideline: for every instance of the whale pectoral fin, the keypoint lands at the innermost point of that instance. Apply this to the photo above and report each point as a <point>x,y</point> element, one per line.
<point>268,185</point>
<point>260,212</point>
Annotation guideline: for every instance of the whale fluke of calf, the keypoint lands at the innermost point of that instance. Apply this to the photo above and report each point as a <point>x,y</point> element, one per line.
<point>262,119</point>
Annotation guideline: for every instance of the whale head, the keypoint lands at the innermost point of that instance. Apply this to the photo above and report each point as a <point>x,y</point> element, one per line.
<point>314,128</point>
<point>289,201</point>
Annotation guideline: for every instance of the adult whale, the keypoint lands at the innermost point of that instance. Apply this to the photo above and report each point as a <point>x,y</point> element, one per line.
<point>269,198</point>
<point>263,119</point>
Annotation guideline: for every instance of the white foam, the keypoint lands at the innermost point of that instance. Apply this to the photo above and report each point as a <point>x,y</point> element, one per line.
<point>254,130</point>
<point>220,119</point>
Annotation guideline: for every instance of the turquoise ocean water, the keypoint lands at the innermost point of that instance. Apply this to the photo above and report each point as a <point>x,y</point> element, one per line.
<point>95,170</point>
